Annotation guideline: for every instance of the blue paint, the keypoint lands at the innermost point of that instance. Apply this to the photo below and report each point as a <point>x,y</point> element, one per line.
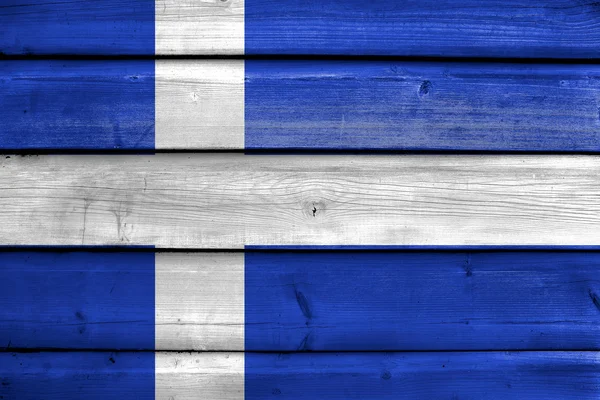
<point>421,300</point>
<point>416,106</point>
<point>77,300</point>
<point>77,375</point>
<point>466,28</point>
<point>423,248</point>
<point>92,105</point>
<point>382,376</point>
<point>98,27</point>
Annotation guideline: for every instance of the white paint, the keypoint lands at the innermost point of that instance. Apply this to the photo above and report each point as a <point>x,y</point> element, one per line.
<point>195,376</point>
<point>196,27</point>
<point>199,301</point>
<point>199,104</point>
<point>228,200</point>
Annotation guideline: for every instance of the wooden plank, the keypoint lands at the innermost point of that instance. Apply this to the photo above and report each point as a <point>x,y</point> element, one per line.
<point>488,28</point>
<point>324,105</point>
<point>225,201</point>
<point>301,300</point>
<point>422,106</point>
<point>109,27</point>
<point>199,104</point>
<point>419,301</point>
<point>77,300</point>
<point>200,301</point>
<point>496,375</point>
<point>139,375</point>
<point>77,105</point>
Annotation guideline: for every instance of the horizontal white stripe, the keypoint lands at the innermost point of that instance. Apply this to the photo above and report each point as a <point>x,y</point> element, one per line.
<point>199,104</point>
<point>227,201</point>
<point>199,301</point>
<point>199,27</point>
<point>193,376</point>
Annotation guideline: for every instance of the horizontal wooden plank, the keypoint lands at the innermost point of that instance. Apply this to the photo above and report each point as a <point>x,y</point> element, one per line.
<point>528,375</point>
<point>489,28</point>
<point>140,375</point>
<point>323,105</point>
<point>301,300</point>
<point>421,106</point>
<point>77,105</point>
<point>377,301</point>
<point>77,300</point>
<point>225,201</point>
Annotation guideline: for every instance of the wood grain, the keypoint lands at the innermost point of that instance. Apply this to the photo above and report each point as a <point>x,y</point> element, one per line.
<point>200,27</point>
<point>139,375</point>
<point>122,105</point>
<point>496,375</point>
<point>199,104</point>
<point>199,301</point>
<point>226,201</point>
<point>487,28</point>
<point>421,106</point>
<point>421,301</point>
<point>300,300</point>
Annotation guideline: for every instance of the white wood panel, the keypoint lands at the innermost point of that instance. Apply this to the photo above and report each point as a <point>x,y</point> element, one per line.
<point>191,376</point>
<point>199,27</point>
<point>199,105</point>
<point>231,200</point>
<point>199,301</point>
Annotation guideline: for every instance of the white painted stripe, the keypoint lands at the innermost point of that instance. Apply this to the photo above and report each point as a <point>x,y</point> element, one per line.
<point>227,201</point>
<point>199,104</point>
<point>199,301</point>
<point>192,376</point>
<point>186,27</point>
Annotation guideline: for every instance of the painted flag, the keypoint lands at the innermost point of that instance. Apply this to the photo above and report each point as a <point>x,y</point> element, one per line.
<point>230,199</point>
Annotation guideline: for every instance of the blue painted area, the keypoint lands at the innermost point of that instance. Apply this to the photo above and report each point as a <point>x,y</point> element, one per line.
<point>98,27</point>
<point>427,248</point>
<point>421,300</point>
<point>466,28</point>
<point>77,300</point>
<point>77,105</point>
<point>426,376</point>
<point>77,375</point>
<point>417,106</point>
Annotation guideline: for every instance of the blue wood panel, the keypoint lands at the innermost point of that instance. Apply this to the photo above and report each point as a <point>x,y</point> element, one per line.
<point>321,105</point>
<point>454,300</point>
<point>421,106</point>
<point>483,28</point>
<point>110,27</point>
<point>77,300</point>
<point>482,376</point>
<point>488,28</point>
<point>77,375</point>
<point>77,105</point>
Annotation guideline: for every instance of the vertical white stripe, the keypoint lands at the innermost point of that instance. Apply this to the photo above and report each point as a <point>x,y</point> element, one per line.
<point>199,104</point>
<point>199,303</point>
<point>187,27</point>
<point>193,376</point>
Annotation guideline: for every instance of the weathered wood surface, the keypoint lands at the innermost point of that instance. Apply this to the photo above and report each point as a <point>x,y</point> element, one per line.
<point>496,375</point>
<point>225,201</point>
<point>121,375</point>
<point>301,301</point>
<point>422,106</point>
<point>489,28</point>
<point>378,301</point>
<point>77,104</point>
<point>252,104</point>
